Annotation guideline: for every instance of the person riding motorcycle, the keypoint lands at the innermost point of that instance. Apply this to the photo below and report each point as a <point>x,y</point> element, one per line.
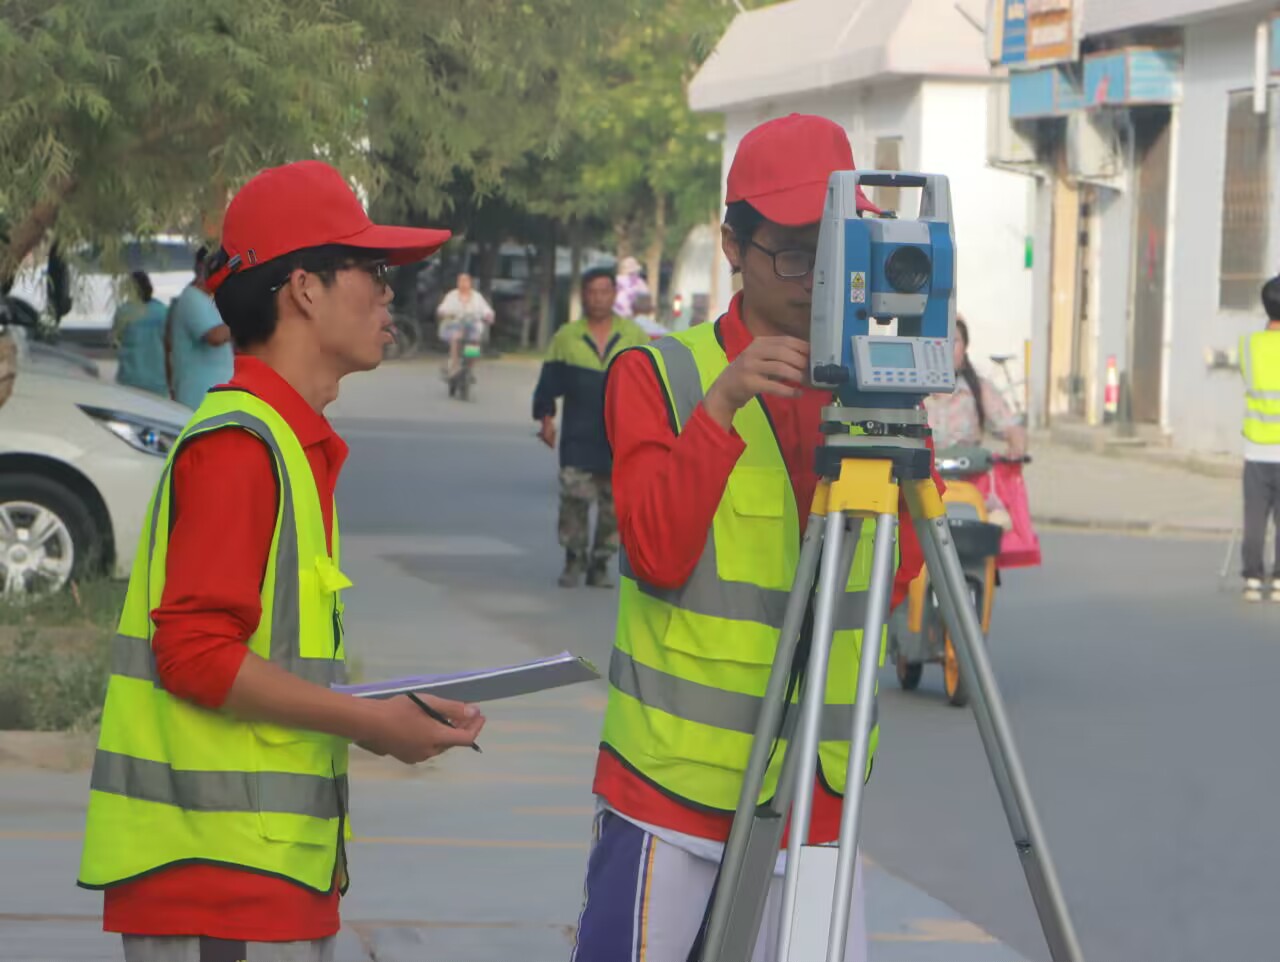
<point>976,409</point>
<point>465,317</point>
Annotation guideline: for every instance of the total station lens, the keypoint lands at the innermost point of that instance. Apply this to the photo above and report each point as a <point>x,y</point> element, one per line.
<point>907,269</point>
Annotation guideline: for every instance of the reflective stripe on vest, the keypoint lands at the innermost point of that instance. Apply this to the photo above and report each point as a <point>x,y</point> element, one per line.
<point>284,792</point>
<point>690,664</point>
<point>715,707</point>
<point>175,783</point>
<point>1260,365</point>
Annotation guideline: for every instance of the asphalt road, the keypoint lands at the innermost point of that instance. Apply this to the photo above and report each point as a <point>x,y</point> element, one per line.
<point>1139,691</point>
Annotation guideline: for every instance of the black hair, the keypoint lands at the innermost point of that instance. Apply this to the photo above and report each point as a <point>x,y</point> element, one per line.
<point>201,254</point>
<point>743,221</point>
<point>595,273</point>
<point>247,300</point>
<point>970,375</point>
<point>142,283</point>
<point>1271,298</point>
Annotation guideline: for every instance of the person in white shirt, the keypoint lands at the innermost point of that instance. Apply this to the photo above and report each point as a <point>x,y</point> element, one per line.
<point>465,317</point>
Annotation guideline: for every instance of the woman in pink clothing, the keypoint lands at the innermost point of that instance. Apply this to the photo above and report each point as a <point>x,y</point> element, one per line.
<point>975,410</point>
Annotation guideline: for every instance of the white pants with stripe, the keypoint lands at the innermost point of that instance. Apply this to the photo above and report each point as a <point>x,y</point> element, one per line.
<point>645,899</point>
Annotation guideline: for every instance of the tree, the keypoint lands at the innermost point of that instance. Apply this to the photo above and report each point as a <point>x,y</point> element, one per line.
<point>138,116</point>
<point>654,165</point>
<point>464,92</point>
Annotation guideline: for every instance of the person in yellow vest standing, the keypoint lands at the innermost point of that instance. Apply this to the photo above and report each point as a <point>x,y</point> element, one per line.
<point>714,432</point>
<point>218,804</point>
<point>1260,365</point>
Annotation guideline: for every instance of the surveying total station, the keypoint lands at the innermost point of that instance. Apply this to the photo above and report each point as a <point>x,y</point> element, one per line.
<point>883,326</point>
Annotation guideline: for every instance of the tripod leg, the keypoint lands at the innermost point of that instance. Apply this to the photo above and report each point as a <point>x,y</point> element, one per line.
<point>993,725</point>
<point>860,737</point>
<point>836,562</point>
<point>752,847</point>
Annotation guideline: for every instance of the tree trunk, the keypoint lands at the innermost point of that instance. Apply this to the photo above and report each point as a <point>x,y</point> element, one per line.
<point>529,303</point>
<point>653,257</point>
<point>575,270</point>
<point>488,267</point>
<point>713,303</point>
<point>622,239</point>
<point>31,230</point>
<point>547,282</point>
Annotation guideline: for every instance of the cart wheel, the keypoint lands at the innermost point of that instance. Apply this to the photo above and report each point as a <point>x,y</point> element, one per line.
<point>909,673</point>
<point>951,679</point>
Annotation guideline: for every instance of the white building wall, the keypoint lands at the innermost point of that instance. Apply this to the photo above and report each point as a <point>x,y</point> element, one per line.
<point>991,209</point>
<point>1205,406</point>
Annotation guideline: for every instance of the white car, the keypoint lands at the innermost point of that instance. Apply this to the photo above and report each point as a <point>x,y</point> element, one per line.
<point>79,458</point>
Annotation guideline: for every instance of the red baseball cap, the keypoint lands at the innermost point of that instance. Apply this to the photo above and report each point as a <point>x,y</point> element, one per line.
<point>782,168</point>
<point>301,205</point>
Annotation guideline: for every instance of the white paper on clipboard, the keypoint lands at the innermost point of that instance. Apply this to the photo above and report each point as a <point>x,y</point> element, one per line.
<point>486,684</point>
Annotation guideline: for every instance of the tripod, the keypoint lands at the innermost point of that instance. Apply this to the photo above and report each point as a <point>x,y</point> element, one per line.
<point>859,479</point>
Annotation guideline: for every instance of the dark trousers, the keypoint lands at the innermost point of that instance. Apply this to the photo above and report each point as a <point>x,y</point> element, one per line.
<point>1261,504</point>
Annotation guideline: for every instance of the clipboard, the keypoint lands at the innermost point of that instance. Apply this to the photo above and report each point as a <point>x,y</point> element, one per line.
<point>485,684</point>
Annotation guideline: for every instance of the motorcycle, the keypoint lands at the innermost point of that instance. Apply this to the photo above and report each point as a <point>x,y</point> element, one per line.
<point>462,381</point>
<point>918,634</point>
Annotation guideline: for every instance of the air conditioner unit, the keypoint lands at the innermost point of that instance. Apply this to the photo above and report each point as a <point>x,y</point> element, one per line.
<point>1095,148</point>
<point>1010,143</point>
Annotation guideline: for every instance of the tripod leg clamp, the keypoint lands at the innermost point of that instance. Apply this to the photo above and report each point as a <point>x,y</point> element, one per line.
<point>924,501</point>
<point>865,487</point>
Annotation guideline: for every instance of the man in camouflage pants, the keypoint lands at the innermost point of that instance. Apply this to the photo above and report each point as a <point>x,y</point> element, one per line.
<point>578,489</point>
<point>575,368</point>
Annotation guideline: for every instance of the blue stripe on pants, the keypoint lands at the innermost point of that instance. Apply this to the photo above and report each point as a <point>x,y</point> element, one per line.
<point>607,928</point>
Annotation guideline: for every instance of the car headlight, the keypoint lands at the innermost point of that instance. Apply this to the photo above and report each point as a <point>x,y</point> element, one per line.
<point>141,434</point>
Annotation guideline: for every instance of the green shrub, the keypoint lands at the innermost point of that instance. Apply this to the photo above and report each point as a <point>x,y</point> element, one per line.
<point>55,655</point>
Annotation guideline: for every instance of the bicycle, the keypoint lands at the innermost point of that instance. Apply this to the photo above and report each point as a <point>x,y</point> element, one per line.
<point>1013,389</point>
<point>405,338</point>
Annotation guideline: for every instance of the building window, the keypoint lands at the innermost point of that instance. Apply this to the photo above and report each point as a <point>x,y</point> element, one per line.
<point>1246,202</point>
<point>888,157</point>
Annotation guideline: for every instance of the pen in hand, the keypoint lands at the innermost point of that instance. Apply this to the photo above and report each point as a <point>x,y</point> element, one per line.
<point>431,712</point>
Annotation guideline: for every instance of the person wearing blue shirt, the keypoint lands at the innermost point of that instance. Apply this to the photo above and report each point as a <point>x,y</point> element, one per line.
<point>198,342</point>
<point>138,332</point>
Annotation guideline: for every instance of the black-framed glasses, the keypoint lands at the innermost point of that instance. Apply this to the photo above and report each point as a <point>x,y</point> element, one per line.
<point>379,270</point>
<point>790,264</point>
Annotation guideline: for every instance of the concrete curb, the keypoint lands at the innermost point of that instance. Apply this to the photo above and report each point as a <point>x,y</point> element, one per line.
<point>1137,450</point>
<point>49,751</point>
<point>1133,527</point>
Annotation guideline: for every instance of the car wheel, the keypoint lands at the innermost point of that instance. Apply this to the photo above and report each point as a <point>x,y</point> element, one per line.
<point>48,537</point>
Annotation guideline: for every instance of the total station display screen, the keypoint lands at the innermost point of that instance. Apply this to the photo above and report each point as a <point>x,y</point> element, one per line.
<point>891,354</point>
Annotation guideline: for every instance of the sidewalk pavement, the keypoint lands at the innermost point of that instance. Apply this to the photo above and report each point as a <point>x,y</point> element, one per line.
<point>1129,490</point>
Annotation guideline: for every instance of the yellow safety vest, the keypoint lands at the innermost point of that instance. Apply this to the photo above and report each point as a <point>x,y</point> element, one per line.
<point>1260,365</point>
<point>690,666</point>
<point>174,783</point>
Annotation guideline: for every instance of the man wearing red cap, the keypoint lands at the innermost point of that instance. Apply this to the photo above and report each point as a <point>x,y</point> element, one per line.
<point>218,802</point>
<point>714,432</point>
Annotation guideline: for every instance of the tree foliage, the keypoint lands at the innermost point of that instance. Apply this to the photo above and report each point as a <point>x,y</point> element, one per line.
<point>648,148</point>
<point>130,116</point>
<point>499,115</point>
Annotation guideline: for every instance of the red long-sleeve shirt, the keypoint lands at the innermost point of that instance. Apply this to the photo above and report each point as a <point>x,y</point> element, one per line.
<point>666,490</point>
<point>225,500</point>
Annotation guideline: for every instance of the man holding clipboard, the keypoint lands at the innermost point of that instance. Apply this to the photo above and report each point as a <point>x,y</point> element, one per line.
<point>218,805</point>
